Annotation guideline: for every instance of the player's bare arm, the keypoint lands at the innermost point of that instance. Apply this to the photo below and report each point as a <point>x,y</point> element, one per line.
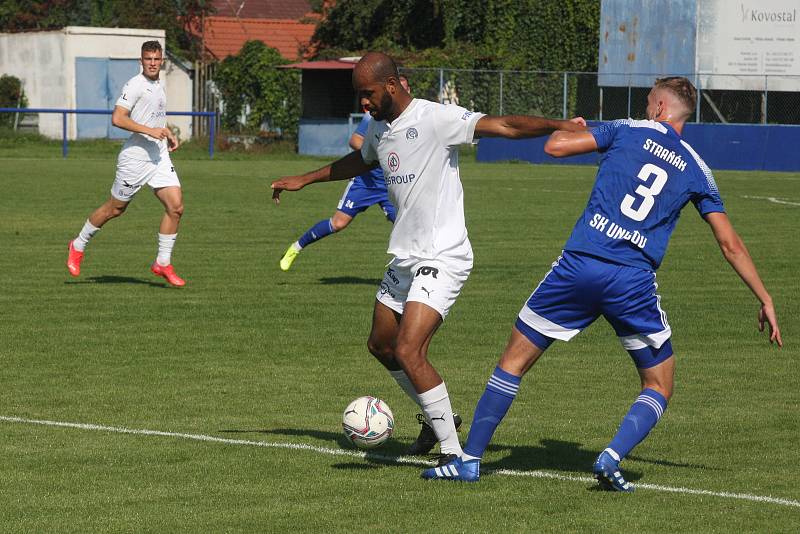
<point>736,254</point>
<point>342,169</point>
<point>356,141</point>
<point>524,126</point>
<point>563,143</point>
<point>121,118</point>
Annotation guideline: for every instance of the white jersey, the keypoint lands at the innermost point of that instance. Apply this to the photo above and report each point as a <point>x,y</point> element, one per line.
<point>418,152</point>
<point>147,102</point>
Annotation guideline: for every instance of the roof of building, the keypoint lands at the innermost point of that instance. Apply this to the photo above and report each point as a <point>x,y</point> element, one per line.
<point>332,64</point>
<point>224,36</point>
<point>263,9</point>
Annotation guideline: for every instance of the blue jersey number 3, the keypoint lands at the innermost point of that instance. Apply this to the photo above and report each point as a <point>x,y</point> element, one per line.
<point>648,194</point>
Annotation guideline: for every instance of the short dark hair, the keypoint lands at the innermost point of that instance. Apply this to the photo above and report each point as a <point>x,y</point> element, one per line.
<point>680,87</point>
<point>151,46</point>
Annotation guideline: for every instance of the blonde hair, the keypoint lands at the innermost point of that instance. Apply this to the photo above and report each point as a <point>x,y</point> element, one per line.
<point>680,87</point>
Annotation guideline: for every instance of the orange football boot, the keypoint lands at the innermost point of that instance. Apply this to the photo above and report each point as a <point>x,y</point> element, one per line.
<point>168,273</point>
<point>74,260</point>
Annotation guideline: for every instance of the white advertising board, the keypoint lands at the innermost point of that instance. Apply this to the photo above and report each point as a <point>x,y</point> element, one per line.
<point>749,44</point>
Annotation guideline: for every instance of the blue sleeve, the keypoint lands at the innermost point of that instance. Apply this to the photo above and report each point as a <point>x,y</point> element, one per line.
<point>362,126</point>
<point>605,134</point>
<point>707,199</point>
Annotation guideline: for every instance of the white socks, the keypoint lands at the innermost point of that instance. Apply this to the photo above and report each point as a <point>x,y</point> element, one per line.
<point>439,413</point>
<point>87,232</point>
<point>297,246</point>
<point>165,244</point>
<point>405,384</point>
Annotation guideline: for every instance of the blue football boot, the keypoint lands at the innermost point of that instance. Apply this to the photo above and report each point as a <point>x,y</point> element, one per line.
<point>606,471</point>
<point>456,470</point>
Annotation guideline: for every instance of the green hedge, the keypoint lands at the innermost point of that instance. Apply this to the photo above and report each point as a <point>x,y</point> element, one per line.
<point>11,96</point>
<point>252,78</point>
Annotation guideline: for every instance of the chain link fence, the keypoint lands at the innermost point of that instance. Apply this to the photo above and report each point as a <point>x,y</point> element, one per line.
<point>569,94</point>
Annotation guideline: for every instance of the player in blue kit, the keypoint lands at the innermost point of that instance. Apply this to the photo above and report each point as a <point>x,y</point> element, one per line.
<point>647,175</point>
<point>361,193</point>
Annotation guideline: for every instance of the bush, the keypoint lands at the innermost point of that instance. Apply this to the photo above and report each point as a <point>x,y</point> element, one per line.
<point>252,85</point>
<point>11,96</point>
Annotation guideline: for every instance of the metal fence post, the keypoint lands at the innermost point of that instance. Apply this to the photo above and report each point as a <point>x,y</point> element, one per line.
<point>64,135</point>
<point>600,117</point>
<point>441,85</point>
<point>766,98</point>
<point>212,129</point>
<point>699,95</point>
<point>564,106</point>
<point>501,92</point>
<point>629,99</point>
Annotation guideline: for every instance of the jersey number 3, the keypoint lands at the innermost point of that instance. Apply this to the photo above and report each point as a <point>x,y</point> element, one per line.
<point>648,194</point>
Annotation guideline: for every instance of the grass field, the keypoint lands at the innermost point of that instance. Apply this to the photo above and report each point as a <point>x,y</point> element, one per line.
<point>247,356</point>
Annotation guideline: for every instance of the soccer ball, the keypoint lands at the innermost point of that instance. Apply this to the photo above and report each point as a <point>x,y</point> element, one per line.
<point>367,422</point>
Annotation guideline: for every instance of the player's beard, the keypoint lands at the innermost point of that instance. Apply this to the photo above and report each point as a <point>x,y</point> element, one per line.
<point>384,108</point>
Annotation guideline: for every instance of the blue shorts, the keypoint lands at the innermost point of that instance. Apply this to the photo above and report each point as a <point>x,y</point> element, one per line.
<point>358,197</point>
<point>580,288</point>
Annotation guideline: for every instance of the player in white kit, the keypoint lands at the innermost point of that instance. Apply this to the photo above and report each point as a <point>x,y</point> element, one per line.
<point>144,159</point>
<point>416,143</point>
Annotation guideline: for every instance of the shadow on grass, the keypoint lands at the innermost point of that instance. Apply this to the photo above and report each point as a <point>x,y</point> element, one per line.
<point>349,280</point>
<point>548,455</point>
<point>110,279</point>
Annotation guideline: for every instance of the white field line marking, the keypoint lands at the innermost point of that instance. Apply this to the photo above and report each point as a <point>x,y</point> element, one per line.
<point>393,459</point>
<point>773,200</point>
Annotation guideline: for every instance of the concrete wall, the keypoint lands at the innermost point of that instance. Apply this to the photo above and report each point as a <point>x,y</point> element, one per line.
<point>39,60</point>
<point>45,62</point>
<point>324,137</point>
<point>178,86</point>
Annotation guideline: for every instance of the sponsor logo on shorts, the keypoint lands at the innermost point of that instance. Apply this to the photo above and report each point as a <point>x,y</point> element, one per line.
<point>392,276</point>
<point>411,134</point>
<point>427,271</point>
<point>426,291</point>
<point>386,290</point>
<point>393,161</point>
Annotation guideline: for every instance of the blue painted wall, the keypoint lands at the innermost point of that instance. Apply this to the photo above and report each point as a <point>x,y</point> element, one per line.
<point>98,84</point>
<point>324,137</point>
<point>646,40</point>
<point>722,146</point>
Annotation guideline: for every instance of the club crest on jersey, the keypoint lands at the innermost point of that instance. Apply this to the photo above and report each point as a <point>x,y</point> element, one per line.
<point>393,161</point>
<point>411,134</point>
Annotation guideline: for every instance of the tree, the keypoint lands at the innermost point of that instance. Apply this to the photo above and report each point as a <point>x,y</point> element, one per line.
<point>507,34</point>
<point>251,79</point>
<point>179,18</point>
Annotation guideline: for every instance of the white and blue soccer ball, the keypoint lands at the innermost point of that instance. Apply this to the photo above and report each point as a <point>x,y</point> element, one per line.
<point>367,422</point>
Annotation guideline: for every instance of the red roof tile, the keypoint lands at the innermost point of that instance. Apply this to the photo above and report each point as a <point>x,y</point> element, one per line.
<point>331,64</point>
<point>262,9</point>
<point>224,36</point>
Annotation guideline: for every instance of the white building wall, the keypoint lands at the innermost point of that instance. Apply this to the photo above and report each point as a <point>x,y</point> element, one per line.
<point>114,43</point>
<point>45,62</point>
<point>38,59</point>
<point>179,89</point>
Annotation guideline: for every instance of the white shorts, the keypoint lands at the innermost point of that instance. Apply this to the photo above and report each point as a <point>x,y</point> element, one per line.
<point>132,174</point>
<point>435,283</point>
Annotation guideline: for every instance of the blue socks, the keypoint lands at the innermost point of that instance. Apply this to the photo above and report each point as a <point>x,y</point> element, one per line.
<point>315,233</point>
<point>492,407</point>
<point>640,419</point>
<point>502,390</point>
